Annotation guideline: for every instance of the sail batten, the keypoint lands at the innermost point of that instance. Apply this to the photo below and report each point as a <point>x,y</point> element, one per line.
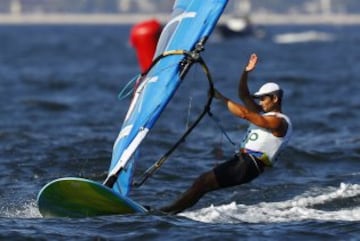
<point>128,152</point>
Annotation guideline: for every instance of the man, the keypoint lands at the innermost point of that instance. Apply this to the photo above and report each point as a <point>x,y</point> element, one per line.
<point>268,133</point>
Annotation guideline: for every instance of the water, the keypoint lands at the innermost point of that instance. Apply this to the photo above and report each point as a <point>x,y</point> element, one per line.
<point>60,115</point>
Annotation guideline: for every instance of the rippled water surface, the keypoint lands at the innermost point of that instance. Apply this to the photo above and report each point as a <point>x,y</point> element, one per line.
<point>60,115</point>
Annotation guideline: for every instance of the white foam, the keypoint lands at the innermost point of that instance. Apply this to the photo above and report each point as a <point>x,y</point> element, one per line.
<point>307,36</point>
<point>27,210</point>
<point>297,209</point>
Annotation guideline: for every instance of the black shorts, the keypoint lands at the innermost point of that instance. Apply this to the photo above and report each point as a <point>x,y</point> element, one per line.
<point>242,168</point>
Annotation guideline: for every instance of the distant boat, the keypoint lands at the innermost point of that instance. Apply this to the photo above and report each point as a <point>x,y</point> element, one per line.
<point>239,27</point>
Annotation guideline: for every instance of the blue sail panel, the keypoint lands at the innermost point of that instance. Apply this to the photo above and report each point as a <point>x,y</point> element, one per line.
<point>191,21</point>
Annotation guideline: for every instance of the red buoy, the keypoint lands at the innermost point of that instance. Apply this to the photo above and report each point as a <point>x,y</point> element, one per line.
<point>144,37</point>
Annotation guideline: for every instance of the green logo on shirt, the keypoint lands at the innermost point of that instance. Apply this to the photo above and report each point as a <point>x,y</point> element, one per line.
<point>251,136</point>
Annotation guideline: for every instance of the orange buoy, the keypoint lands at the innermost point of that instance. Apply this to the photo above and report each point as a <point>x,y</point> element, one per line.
<point>144,37</point>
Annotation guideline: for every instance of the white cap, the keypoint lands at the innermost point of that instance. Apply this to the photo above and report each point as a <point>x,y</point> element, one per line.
<point>267,88</point>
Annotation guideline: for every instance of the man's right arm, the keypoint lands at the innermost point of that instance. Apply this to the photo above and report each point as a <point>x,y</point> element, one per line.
<point>243,90</point>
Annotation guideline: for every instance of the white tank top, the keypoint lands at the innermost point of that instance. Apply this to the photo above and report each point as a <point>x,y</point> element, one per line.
<point>263,144</point>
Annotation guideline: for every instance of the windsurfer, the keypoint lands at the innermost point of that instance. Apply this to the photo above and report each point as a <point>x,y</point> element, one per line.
<point>268,133</point>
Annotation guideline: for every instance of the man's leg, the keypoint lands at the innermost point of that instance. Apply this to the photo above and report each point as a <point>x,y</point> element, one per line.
<point>205,183</point>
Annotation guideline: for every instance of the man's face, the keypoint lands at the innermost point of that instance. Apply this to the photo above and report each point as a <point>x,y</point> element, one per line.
<point>267,102</point>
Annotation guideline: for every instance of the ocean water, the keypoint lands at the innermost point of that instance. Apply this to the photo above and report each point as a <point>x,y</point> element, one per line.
<point>60,114</point>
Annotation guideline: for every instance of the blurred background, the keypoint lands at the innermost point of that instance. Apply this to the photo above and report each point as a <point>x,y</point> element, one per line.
<point>125,11</point>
